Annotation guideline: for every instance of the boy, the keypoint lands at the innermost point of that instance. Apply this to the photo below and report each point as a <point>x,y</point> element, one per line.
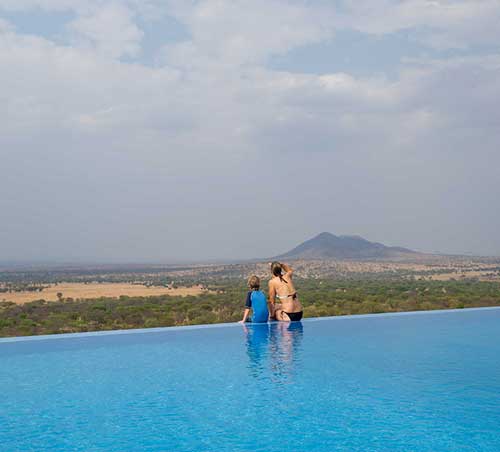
<point>256,301</point>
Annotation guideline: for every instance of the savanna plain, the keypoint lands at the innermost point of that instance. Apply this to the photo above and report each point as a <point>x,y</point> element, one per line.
<point>53,300</point>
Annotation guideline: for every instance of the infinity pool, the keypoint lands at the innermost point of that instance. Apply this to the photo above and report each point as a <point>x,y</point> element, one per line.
<point>409,382</point>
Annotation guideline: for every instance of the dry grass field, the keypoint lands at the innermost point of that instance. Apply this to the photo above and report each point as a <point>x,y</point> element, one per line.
<point>485,275</point>
<point>441,269</point>
<point>96,290</point>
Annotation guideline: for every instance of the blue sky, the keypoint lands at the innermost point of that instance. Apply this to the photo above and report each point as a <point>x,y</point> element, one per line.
<point>163,130</point>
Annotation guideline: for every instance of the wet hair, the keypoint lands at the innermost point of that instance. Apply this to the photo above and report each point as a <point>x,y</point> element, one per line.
<point>277,270</point>
<point>254,282</point>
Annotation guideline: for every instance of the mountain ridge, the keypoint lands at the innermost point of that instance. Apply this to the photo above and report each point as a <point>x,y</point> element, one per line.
<point>327,246</point>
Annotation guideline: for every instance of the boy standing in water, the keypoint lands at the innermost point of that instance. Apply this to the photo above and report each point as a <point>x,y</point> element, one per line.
<point>255,301</point>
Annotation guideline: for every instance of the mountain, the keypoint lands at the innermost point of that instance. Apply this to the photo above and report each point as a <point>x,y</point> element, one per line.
<point>327,246</point>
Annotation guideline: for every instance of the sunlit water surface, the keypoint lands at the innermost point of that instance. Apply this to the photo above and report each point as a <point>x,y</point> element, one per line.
<point>417,382</point>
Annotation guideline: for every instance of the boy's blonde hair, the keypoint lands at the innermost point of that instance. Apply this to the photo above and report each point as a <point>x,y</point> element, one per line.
<point>254,282</point>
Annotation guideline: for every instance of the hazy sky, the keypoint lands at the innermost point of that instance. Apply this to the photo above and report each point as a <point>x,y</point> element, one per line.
<point>160,130</point>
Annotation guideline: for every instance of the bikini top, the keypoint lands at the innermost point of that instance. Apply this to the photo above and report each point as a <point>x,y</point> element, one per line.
<point>282,297</point>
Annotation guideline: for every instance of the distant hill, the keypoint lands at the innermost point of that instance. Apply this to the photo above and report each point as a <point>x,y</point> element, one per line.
<point>327,246</point>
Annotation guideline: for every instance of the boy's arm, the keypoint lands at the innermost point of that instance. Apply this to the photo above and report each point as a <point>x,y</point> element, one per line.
<point>245,315</point>
<point>248,305</point>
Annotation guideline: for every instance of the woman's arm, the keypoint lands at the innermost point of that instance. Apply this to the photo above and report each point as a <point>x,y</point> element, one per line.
<point>287,269</point>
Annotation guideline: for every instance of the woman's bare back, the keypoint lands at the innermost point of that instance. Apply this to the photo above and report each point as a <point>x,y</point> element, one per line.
<point>282,288</point>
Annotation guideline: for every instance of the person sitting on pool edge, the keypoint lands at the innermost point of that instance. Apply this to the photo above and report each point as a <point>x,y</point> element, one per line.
<point>281,287</point>
<point>255,301</point>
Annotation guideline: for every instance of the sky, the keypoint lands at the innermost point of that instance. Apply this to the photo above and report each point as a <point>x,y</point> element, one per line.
<point>173,130</point>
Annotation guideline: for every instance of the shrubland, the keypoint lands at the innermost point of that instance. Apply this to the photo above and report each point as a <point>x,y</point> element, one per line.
<point>224,303</point>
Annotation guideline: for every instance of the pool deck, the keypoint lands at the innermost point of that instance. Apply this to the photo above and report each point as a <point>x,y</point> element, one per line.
<point>231,325</point>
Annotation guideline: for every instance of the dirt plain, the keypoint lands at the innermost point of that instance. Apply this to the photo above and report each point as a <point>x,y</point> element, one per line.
<point>79,291</point>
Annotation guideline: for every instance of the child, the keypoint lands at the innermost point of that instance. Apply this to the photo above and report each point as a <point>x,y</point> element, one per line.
<point>256,301</point>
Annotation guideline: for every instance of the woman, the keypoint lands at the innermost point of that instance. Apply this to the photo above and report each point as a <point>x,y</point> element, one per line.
<point>281,287</point>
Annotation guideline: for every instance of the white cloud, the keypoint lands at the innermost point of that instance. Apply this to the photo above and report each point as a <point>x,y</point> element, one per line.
<point>110,29</point>
<point>46,86</point>
<point>236,32</point>
<point>441,23</point>
<point>47,5</point>
<point>214,110</point>
<point>51,87</point>
<point>5,26</point>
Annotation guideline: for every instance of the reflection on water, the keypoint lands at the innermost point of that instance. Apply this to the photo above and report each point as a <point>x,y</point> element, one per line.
<point>257,342</point>
<point>274,349</point>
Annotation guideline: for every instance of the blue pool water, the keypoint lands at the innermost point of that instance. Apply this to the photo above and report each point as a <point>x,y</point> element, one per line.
<point>415,382</point>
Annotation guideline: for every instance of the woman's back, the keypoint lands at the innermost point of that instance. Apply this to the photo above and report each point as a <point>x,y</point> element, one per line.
<point>284,286</point>
<point>281,287</point>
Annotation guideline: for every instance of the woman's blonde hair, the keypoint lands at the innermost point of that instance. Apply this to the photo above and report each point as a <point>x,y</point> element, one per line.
<point>254,282</point>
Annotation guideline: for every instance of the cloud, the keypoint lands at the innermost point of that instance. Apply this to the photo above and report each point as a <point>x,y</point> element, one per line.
<point>440,24</point>
<point>80,125</point>
<point>240,32</point>
<point>109,29</point>
<point>49,88</point>
<point>5,26</point>
<point>84,89</point>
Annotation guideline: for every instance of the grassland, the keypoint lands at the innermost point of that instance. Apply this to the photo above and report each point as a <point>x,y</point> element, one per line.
<point>91,291</point>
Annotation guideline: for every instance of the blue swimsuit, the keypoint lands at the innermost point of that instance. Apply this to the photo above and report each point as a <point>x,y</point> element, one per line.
<point>257,302</point>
